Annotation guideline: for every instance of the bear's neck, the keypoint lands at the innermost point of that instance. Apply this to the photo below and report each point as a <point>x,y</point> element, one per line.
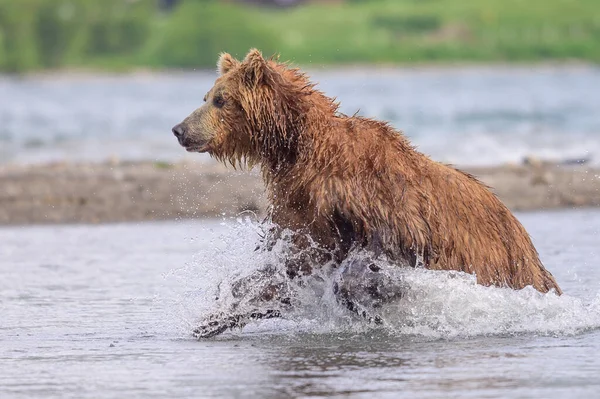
<point>293,141</point>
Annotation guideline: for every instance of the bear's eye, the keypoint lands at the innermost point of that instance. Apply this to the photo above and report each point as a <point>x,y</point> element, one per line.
<point>219,101</point>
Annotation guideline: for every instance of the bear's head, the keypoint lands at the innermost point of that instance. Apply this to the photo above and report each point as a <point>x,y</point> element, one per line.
<point>254,113</point>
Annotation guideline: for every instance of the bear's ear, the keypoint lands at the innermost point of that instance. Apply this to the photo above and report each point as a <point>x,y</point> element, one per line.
<point>226,63</point>
<point>255,68</point>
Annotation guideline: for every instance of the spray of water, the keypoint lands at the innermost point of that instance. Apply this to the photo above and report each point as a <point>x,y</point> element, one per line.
<point>433,304</point>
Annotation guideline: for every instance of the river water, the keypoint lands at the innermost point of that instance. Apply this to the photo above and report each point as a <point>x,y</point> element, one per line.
<point>466,116</point>
<point>107,311</point>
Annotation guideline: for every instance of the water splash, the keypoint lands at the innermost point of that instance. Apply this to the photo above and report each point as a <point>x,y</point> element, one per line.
<point>434,304</point>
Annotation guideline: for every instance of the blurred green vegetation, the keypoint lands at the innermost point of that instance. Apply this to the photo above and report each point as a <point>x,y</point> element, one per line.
<point>118,34</point>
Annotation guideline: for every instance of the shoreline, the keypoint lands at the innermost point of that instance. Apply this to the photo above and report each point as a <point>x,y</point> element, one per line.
<point>354,67</point>
<point>87,192</point>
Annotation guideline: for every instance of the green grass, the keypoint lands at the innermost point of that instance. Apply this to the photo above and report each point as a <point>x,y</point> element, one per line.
<point>440,30</point>
<point>37,34</point>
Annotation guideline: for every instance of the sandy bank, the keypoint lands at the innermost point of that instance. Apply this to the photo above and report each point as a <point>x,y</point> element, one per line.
<point>118,192</point>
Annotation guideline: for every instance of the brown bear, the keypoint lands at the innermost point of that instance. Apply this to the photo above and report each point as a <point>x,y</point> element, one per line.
<point>350,181</point>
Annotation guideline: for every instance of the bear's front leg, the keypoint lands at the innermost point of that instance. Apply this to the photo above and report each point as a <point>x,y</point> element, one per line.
<point>219,323</point>
<point>364,288</point>
<point>263,294</point>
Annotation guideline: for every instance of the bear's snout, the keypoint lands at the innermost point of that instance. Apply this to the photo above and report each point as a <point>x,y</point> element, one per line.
<point>179,132</point>
<point>190,139</point>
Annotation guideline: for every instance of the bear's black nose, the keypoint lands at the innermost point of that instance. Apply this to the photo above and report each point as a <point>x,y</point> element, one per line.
<point>178,131</point>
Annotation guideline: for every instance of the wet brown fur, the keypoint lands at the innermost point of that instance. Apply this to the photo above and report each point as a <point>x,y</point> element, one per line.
<point>356,181</point>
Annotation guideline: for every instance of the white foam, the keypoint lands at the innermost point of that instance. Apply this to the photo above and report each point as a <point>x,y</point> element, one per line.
<point>436,305</point>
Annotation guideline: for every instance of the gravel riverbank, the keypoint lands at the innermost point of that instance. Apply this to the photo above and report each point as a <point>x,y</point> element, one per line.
<point>119,192</point>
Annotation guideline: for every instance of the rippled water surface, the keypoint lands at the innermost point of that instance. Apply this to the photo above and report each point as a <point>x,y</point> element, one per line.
<point>467,116</point>
<point>106,311</point>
